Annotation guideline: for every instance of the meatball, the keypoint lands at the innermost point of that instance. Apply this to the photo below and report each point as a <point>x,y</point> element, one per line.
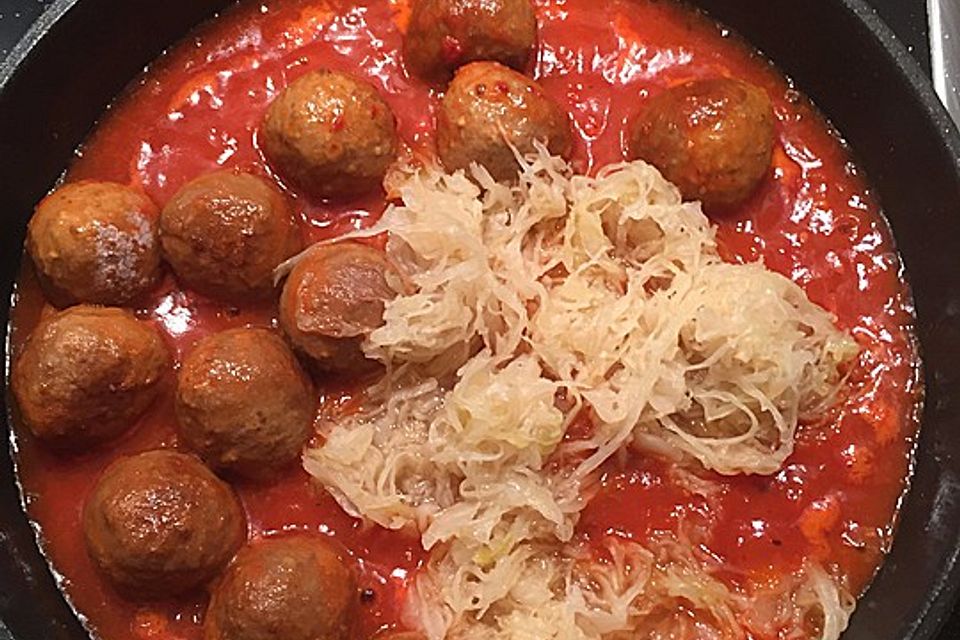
<point>225,232</point>
<point>444,34</point>
<point>95,242</point>
<point>488,108</point>
<point>243,402</point>
<point>160,524</point>
<point>332,300</point>
<point>295,588</point>
<point>330,134</point>
<point>87,374</point>
<point>711,138</point>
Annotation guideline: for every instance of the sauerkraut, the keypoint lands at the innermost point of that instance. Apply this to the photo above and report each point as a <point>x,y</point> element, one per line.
<point>523,307</point>
<point>663,591</point>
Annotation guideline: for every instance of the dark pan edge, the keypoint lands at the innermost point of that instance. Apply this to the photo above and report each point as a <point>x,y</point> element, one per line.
<point>942,597</point>
<point>31,602</point>
<point>943,592</point>
<point>918,78</point>
<point>8,69</point>
<point>23,48</point>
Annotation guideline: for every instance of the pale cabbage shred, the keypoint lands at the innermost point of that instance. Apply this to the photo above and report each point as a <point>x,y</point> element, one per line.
<point>606,292</point>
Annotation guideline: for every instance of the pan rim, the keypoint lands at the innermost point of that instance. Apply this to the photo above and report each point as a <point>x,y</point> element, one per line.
<point>942,593</point>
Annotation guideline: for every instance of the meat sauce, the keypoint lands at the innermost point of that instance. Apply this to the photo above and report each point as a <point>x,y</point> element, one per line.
<point>814,219</point>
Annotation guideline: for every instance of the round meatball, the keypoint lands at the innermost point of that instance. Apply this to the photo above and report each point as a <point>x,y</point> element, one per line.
<point>95,242</point>
<point>488,108</point>
<point>711,138</point>
<point>332,300</point>
<point>445,34</point>
<point>87,374</point>
<point>295,588</point>
<point>243,402</point>
<point>160,524</point>
<point>330,134</point>
<point>225,232</point>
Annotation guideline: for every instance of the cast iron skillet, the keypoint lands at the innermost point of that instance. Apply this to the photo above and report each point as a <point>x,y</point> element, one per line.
<point>82,53</point>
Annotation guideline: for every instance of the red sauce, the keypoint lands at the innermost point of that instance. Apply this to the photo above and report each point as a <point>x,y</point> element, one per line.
<point>814,219</point>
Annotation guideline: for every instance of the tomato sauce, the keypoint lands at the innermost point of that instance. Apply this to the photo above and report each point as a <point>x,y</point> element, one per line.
<point>814,219</point>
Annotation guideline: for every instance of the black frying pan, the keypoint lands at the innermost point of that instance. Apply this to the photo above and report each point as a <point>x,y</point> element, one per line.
<point>82,53</point>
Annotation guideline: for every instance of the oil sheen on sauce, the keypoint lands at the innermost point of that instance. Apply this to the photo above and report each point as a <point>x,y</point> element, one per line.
<point>814,219</point>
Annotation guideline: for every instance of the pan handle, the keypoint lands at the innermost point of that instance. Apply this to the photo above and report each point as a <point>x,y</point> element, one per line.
<point>945,52</point>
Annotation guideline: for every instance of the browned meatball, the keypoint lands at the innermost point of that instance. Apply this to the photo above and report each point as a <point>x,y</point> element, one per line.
<point>160,524</point>
<point>330,135</point>
<point>243,402</point>
<point>95,242</point>
<point>489,107</point>
<point>444,34</point>
<point>225,232</point>
<point>295,588</point>
<point>87,374</point>
<point>332,300</point>
<point>711,138</point>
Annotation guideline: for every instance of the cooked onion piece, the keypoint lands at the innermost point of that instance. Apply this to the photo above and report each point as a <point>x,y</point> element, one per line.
<point>521,307</point>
